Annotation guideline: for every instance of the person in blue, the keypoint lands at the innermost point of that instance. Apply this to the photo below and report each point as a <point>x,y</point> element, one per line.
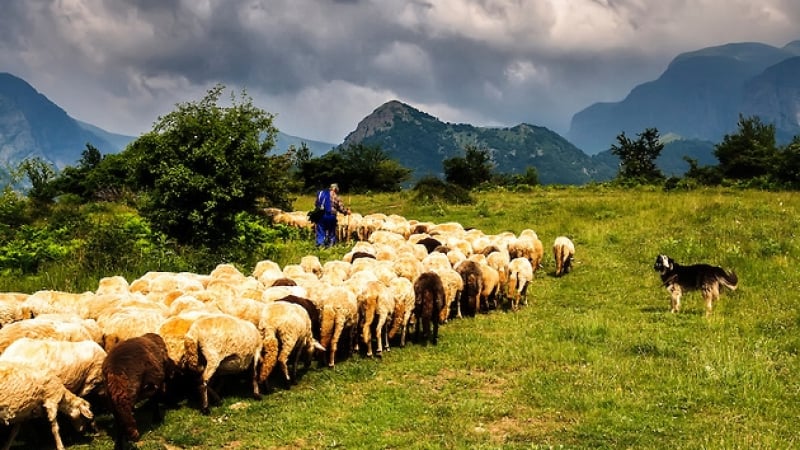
<point>328,200</point>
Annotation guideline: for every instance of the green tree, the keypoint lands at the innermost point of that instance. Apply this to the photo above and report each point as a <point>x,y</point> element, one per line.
<point>638,157</point>
<point>751,152</point>
<point>474,168</point>
<point>203,163</point>
<point>788,167</point>
<point>40,175</point>
<point>357,168</point>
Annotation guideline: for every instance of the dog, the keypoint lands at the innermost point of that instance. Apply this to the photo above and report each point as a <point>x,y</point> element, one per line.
<point>704,277</point>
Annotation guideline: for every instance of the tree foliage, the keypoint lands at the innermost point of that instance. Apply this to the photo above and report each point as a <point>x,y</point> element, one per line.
<point>40,175</point>
<point>638,157</point>
<point>203,163</point>
<point>357,168</point>
<point>751,152</point>
<point>474,168</point>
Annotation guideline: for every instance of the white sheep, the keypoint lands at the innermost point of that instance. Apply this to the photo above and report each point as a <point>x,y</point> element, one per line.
<point>291,325</point>
<point>563,253</point>
<point>77,364</point>
<point>520,274</point>
<point>30,392</point>
<point>222,344</point>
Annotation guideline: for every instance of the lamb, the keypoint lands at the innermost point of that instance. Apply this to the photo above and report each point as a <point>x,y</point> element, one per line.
<point>77,364</point>
<point>30,392</point>
<point>291,325</point>
<point>134,370</point>
<point>563,252</point>
<point>222,344</point>
<point>520,274</point>
<point>428,301</point>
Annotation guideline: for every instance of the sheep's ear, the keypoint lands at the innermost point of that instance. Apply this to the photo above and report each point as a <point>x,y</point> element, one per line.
<point>86,411</point>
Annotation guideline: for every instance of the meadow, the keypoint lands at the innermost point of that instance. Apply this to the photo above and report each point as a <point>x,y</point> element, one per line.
<point>595,360</point>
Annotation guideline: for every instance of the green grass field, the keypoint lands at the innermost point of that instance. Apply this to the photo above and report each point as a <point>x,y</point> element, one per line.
<point>594,361</point>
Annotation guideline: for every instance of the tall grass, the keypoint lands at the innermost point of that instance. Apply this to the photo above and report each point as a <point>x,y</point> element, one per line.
<point>594,361</point>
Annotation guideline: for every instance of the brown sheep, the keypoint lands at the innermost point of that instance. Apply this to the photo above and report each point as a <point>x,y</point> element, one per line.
<point>136,369</point>
<point>428,302</point>
<point>471,275</point>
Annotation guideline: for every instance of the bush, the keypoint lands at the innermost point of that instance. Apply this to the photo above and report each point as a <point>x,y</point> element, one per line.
<point>429,189</point>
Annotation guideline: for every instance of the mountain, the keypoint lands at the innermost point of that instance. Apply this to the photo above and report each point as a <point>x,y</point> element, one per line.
<point>421,142</point>
<point>33,126</point>
<point>700,96</point>
<point>318,148</point>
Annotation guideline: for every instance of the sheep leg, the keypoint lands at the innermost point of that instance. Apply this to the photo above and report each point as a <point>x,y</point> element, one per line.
<point>12,435</point>
<point>52,412</point>
<point>256,389</point>
<point>379,332</point>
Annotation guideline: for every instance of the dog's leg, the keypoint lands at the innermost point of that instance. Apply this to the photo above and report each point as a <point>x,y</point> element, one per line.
<point>710,294</point>
<point>675,292</point>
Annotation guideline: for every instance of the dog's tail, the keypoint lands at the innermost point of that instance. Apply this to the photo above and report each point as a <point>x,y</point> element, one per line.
<point>729,280</point>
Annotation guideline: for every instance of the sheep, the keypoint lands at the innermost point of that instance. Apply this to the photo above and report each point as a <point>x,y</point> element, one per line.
<point>339,314</point>
<point>134,370</point>
<point>267,272</point>
<point>428,301</point>
<point>222,344</point>
<point>472,277</point>
<point>311,264</point>
<point>129,322</point>
<point>30,392</point>
<point>490,287</point>
<point>113,285</point>
<point>51,301</point>
<point>453,285</point>
<point>291,325</point>
<point>520,274</point>
<point>13,310</point>
<point>499,260</point>
<point>77,364</point>
<point>563,253</point>
<point>529,246</point>
<point>429,243</point>
<point>43,329</point>
<point>402,291</point>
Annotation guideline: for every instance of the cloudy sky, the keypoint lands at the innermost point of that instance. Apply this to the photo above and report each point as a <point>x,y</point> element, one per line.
<point>322,65</point>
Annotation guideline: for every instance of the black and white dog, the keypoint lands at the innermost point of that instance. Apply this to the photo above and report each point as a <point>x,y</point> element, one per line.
<point>707,278</point>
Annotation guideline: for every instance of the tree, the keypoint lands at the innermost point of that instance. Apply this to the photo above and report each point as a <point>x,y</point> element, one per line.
<point>473,169</point>
<point>638,158</point>
<point>203,164</point>
<point>40,174</point>
<point>357,168</point>
<point>788,166</point>
<point>751,152</point>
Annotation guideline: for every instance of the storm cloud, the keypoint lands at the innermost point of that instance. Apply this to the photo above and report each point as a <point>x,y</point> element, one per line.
<point>322,65</point>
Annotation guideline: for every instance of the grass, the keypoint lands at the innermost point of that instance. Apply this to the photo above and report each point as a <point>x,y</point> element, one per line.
<point>594,361</point>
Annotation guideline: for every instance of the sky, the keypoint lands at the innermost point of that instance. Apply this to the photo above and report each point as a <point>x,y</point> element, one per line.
<point>320,66</point>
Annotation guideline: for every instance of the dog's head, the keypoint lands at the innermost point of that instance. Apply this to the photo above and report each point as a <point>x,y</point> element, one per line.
<point>663,264</point>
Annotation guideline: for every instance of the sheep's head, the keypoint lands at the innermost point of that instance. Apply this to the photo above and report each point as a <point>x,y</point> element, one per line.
<point>76,408</point>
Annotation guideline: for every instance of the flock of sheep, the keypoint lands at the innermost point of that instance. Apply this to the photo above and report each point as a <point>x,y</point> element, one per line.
<point>125,341</point>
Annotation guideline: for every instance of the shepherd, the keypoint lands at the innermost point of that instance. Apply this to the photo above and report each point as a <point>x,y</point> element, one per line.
<point>329,202</point>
